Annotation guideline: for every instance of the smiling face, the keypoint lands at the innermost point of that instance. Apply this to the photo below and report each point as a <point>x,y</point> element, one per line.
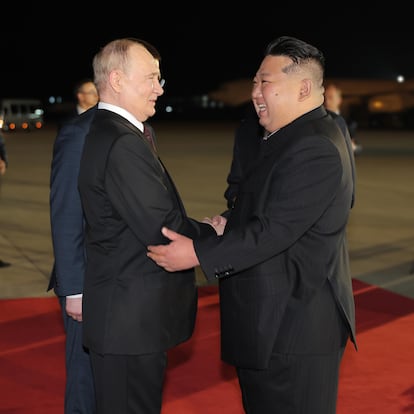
<point>274,92</point>
<point>138,84</point>
<point>128,76</point>
<point>283,91</point>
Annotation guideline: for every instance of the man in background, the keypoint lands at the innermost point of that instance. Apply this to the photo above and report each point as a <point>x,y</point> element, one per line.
<point>68,239</point>
<point>333,102</point>
<point>3,167</point>
<point>86,96</point>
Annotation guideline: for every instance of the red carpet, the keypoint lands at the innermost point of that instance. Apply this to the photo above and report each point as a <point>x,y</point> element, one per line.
<point>378,379</point>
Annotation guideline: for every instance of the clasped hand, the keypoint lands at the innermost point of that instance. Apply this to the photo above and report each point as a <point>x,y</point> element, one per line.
<point>179,254</point>
<point>217,222</point>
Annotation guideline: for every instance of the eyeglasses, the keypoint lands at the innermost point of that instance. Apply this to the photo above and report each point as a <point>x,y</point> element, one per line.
<point>160,81</point>
<point>154,78</point>
<point>89,93</point>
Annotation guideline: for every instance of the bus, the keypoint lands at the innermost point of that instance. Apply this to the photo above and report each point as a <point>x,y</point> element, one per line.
<point>21,114</point>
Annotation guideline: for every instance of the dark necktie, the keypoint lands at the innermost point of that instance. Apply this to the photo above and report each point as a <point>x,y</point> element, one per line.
<point>149,137</point>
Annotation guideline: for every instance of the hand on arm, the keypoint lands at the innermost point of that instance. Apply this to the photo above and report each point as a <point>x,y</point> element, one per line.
<point>179,254</point>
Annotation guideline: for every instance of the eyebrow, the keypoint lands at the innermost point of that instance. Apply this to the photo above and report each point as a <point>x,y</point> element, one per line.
<point>153,74</point>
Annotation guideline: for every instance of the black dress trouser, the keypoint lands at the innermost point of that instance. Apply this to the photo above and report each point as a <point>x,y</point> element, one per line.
<point>129,384</point>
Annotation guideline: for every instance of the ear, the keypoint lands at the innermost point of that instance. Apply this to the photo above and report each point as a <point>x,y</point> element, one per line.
<point>305,89</point>
<point>115,80</point>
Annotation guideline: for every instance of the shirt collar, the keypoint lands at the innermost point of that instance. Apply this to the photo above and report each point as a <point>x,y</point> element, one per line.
<point>122,112</point>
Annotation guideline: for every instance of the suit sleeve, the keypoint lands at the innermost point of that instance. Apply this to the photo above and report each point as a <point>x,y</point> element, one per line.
<point>66,212</point>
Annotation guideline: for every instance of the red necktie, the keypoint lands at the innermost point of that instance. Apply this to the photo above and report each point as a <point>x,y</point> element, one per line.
<point>149,137</point>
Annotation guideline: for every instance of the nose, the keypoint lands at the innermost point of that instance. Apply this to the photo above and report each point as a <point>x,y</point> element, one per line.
<point>158,86</point>
<point>256,91</point>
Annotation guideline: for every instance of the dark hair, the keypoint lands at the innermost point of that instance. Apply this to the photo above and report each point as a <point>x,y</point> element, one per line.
<point>79,85</point>
<point>297,50</point>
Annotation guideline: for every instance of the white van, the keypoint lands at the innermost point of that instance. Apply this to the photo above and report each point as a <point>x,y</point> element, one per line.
<point>17,114</point>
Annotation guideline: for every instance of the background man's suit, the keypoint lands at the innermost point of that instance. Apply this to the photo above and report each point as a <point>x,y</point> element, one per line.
<point>247,138</point>
<point>282,263</point>
<point>67,277</point>
<point>3,152</point>
<point>3,157</point>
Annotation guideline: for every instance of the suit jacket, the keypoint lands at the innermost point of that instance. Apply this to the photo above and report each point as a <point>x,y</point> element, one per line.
<point>247,138</point>
<point>340,120</point>
<point>130,304</point>
<point>282,262</point>
<point>68,116</point>
<point>3,151</point>
<point>66,214</point>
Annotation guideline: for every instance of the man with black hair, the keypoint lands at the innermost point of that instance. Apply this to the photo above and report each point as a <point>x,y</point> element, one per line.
<point>286,302</point>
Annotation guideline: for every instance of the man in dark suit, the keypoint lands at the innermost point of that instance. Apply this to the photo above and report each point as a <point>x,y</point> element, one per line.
<point>67,276</point>
<point>286,301</point>
<point>133,310</point>
<point>3,155</point>
<point>333,103</point>
<point>85,95</point>
<point>3,167</point>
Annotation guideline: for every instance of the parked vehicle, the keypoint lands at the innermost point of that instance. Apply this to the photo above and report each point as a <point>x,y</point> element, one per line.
<point>18,114</point>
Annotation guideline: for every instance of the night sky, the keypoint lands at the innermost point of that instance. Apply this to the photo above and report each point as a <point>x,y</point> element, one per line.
<point>44,51</point>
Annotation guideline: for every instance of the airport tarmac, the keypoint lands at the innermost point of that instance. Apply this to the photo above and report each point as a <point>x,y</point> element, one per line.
<point>198,156</point>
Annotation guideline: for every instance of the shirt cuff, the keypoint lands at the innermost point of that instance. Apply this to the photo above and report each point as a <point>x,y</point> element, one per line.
<point>79,295</point>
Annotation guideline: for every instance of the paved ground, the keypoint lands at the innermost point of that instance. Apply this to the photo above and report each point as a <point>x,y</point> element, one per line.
<point>198,155</point>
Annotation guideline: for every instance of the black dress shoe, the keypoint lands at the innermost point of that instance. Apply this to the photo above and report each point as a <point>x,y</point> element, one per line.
<point>4,264</point>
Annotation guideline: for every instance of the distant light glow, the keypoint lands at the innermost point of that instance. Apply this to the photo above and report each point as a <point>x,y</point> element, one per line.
<point>377,104</point>
<point>400,79</point>
<point>55,99</point>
